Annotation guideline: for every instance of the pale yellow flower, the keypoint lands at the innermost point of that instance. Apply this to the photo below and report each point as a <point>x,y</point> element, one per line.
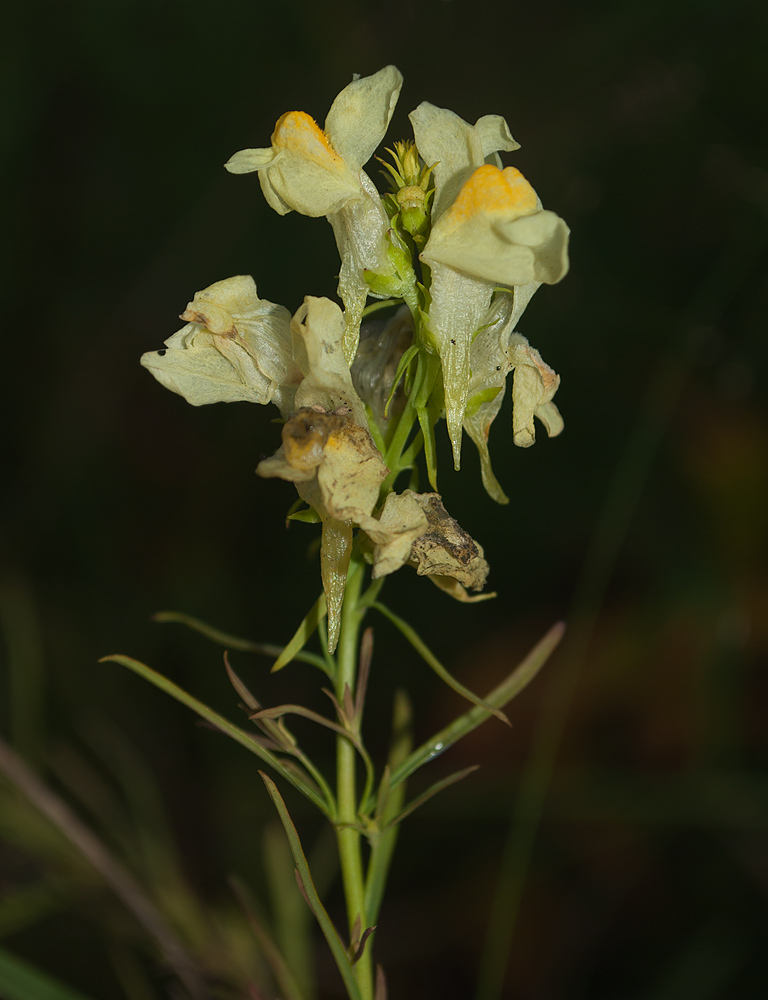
<point>320,173</point>
<point>488,229</point>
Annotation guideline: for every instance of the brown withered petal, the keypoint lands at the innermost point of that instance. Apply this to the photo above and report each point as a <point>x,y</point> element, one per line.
<point>445,549</point>
<point>398,526</point>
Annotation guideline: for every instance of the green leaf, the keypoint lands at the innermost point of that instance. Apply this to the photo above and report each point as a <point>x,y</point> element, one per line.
<point>432,790</point>
<point>21,981</point>
<point>292,774</point>
<point>230,641</point>
<point>511,686</point>
<point>429,657</point>
<point>315,903</point>
<point>405,360</point>
<point>302,635</point>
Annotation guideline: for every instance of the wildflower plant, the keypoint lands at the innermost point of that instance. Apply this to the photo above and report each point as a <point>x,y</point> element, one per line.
<point>453,250</point>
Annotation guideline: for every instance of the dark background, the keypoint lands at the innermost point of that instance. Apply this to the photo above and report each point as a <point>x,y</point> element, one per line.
<point>643,525</point>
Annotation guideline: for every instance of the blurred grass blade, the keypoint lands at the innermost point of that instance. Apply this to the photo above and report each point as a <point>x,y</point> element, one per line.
<point>101,860</point>
<point>303,634</point>
<point>222,724</point>
<point>315,904</point>
<point>518,679</point>
<point>233,641</point>
<point>429,657</point>
<point>432,790</point>
<point>281,969</point>
<point>292,920</point>
<point>21,981</point>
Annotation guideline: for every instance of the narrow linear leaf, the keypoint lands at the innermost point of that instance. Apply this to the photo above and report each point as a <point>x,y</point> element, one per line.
<point>511,686</point>
<point>315,904</point>
<point>432,790</point>
<point>222,724</point>
<point>363,673</point>
<point>249,700</point>
<point>306,713</point>
<point>429,657</point>
<point>382,795</point>
<point>405,360</point>
<point>233,641</point>
<point>302,635</point>
<point>21,981</point>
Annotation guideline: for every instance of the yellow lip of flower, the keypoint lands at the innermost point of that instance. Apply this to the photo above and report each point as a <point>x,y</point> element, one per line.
<point>504,193</point>
<point>298,133</point>
<point>496,231</point>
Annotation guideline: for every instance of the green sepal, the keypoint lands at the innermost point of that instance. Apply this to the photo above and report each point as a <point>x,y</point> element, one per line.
<point>388,286</point>
<point>484,396</point>
<point>307,515</point>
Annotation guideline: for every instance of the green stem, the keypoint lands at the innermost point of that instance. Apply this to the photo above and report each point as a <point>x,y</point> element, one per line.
<point>348,834</point>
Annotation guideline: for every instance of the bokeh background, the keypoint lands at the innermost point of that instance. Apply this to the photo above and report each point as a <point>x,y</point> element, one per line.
<point>621,823</point>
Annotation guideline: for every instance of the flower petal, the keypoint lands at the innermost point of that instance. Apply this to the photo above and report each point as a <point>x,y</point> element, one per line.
<point>191,365</point>
<point>360,115</point>
<point>490,366</point>
<point>495,231</point>
<point>534,385</point>
<point>318,346</point>
<point>338,470</point>
<point>445,549</point>
<point>398,526</point>
<point>455,148</point>
<point>235,346</point>
<point>304,172</point>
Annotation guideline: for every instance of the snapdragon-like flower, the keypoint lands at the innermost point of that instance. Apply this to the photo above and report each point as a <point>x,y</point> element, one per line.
<point>234,347</point>
<point>488,229</point>
<point>337,470</point>
<point>320,173</point>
